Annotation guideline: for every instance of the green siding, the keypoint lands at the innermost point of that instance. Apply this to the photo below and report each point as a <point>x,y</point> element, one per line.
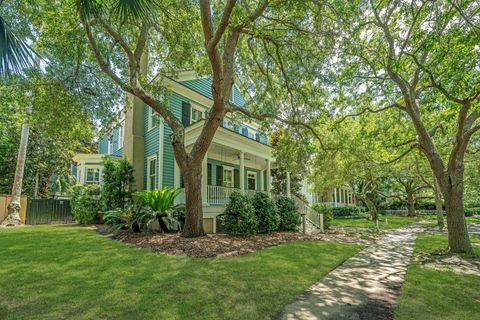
<point>151,138</point>
<point>202,86</point>
<point>175,102</point>
<point>103,143</point>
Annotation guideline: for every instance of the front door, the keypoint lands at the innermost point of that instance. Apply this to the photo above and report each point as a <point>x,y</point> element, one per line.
<point>251,180</point>
<point>228,181</point>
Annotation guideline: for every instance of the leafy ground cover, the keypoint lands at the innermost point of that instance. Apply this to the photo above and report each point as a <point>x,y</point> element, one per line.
<point>60,272</point>
<point>385,222</point>
<point>432,293</point>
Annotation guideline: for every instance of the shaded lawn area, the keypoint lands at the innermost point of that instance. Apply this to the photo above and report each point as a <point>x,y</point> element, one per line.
<point>394,222</point>
<point>473,219</point>
<point>431,294</point>
<point>58,272</point>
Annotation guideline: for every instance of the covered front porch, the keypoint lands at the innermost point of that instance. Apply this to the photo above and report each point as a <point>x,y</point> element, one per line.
<point>234,162</point>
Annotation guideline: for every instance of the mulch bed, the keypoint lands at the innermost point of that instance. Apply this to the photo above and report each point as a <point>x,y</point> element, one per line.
<point>219,245</point>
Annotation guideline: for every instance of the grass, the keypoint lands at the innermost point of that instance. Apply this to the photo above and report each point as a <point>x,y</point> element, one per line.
<point>394,222</point>
<point>473,219</point>
<point>431,294</point>
<point>60,272</point>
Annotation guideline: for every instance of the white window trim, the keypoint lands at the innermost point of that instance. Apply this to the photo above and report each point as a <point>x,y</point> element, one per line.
<point>150,116</point>
<point>255,177</point>
<point>86,175</point>
<point>110,144</point>
<point>197,108</point>
<point>149,160</point>
<point>121,133</point>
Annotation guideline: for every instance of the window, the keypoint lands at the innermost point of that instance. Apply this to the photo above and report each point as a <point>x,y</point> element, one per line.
<point>151,172</point>
<point>228,177</point>
<point>121,131</point>
<point>110,145</point>
<point>197,115</point>
<point>93,175</point>
<point>153,118</point>
<point>251,180</point>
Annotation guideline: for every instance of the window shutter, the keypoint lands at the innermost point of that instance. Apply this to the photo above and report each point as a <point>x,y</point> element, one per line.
<point>209,174</point>
<point>186,114</point>
<point>236,178</point>
<point>219,176</point>
<point>245,131</point>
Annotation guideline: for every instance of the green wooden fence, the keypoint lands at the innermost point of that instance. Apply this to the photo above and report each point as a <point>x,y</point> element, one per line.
<point>46,211</point>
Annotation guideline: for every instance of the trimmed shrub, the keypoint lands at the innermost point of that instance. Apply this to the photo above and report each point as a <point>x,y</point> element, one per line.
<point>266,212</point>
<point>346,211</point>
<point>85,204</point>
<point>239,215</point>
<point>327,212</point>
<point>117,186</point>
<point>469,212</point>
<point>425,205</point>
<point>289,216</point>
<point>472,204</point>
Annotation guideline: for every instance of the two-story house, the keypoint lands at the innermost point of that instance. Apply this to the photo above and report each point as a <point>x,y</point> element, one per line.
<point>239,157</point>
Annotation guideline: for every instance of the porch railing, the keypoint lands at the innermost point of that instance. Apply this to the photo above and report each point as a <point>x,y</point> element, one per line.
<point>216,195</point>
<point>307,211</point>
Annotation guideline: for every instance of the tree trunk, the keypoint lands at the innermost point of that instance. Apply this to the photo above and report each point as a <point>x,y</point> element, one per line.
<point>458,239</point>
<point>410,204</point>
<point>193,202</point>
<point>438,205</point>
<point>13,218</point>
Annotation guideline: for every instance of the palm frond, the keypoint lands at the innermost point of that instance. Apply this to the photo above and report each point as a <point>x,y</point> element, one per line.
<point>134,11</point>
<point>16,55</point>
<point>125,11</point>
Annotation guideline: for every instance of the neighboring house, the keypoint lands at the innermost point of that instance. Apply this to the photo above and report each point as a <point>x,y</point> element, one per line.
<point>238,158</point>
<point>337,197</point>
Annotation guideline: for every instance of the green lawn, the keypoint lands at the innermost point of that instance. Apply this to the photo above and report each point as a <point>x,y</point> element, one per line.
<point>473,219</point>
<point>394,222</point>
<point>430,294</point>
<point>60,272</point>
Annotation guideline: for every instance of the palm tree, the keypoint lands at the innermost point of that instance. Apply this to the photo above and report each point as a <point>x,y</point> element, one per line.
<point>16,56</point>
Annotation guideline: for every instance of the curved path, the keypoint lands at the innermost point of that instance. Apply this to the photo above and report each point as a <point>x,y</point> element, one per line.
<point>365,286</point>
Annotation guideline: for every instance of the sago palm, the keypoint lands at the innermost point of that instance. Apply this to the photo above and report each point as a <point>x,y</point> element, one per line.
<point>162,205</point>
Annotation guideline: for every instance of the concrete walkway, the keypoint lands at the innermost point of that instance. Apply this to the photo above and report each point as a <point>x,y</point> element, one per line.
<point>365,286</point>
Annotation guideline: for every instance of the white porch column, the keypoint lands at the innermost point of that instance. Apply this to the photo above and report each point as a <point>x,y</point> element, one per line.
<point>288,184</point>
<point>204,180</point>
<point>262,185</point>
<point>269,177</point>
<point>242,170</point>
<point>334,197</point>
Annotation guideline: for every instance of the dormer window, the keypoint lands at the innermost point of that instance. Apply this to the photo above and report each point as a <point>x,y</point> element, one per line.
<point>197,114</point>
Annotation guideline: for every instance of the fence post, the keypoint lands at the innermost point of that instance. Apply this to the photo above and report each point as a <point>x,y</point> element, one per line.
<point>321,222</point>
<point>304,223</point>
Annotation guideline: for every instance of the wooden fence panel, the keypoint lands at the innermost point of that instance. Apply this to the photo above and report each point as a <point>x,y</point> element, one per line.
<point>4,202</point>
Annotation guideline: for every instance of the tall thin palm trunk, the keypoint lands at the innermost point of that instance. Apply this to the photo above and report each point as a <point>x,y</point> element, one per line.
<point>13,218</point>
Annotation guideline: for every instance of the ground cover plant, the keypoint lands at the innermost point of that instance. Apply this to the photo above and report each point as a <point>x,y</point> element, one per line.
<point>54,272</point>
